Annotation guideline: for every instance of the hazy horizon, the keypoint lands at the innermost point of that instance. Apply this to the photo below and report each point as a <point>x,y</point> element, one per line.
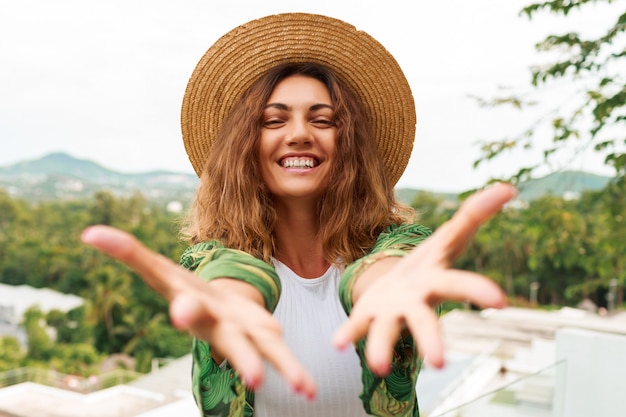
<point>104,80</point>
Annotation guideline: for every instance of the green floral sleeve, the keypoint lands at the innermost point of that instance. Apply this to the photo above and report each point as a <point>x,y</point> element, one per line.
<point>395,394</point>
<point>235,264</point>
<point>217,389</point>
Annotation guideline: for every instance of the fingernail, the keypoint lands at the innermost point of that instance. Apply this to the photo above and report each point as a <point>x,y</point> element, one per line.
<point>340,343</point>
<point>84,236</point>
<point>297,388</point>
<point>384,369</point>
<point>251,382</point>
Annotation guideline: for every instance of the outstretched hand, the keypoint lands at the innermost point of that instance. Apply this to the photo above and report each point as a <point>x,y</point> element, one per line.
<point>405,296</point>
<point>230,321</point>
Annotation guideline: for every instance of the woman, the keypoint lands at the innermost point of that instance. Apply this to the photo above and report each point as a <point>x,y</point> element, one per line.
<point>299,126</point>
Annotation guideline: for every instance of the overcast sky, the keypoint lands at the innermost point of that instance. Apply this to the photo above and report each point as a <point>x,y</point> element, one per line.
<point>103,80</point>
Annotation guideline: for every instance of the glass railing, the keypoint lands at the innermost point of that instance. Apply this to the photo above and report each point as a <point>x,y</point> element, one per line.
<point>535,395</point>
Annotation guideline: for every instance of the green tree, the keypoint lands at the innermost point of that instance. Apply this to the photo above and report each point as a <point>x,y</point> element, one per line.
<point>11,354</point>
<point>104,208</point>
<point>76,358</point>
<point>70,327</point>
<point>558,237</point>
<point>432,210</point>
<point>148,336</point>
<point>137,325</point>
<point>39,343</point>
<point>107,296</point>
<point>8,211</point>
<point>604,261</point>
<point>596,117</point>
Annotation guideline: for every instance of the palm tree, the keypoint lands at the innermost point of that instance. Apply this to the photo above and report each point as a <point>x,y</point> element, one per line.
<point>108,293</point>
<point>137,326</point>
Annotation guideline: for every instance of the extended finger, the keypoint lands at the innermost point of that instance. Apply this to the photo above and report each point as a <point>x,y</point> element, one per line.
<point>381,338</point>
<point>423,324</point>
<point>452,237</point>
<point>274,349</point>
<point>156,270</point>
<point>466,286</point>
<point>242,353</point>
<point>353,329</point>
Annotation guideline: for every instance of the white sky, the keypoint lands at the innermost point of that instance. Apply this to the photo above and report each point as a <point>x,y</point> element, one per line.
<point>103,80</point>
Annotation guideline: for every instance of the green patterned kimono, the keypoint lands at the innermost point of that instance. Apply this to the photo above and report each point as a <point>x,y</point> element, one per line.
<point>219,391</point>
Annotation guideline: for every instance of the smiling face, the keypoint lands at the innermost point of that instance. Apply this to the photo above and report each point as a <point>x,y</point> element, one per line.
<point>298,138</point>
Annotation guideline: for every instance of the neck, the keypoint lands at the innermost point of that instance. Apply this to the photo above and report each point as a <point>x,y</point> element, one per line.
<point>298,243</point>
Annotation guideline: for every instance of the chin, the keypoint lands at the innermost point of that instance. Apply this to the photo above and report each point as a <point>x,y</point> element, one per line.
<point>299,193</point>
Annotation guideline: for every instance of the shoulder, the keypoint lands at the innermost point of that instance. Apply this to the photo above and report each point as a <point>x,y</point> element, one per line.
<point>401,236</point>
<point>194,254</point>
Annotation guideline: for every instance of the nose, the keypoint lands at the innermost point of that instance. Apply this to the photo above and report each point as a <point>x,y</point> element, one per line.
<point>299,133</point>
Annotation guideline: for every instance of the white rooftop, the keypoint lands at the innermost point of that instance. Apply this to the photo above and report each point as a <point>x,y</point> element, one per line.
<point>16,299</point>
<point>491,349</point>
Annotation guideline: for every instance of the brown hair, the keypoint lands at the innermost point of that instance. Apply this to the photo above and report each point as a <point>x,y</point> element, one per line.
<point>232,204</point>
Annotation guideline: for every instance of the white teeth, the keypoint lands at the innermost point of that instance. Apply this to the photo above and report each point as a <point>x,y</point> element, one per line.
<point>298,163</point>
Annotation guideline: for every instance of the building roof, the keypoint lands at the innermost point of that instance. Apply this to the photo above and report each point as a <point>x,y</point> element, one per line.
<point>490,349</point>
<point>30,399</point>
<point>22,297</point>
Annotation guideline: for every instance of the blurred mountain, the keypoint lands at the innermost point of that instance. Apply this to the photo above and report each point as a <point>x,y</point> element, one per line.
<point>61,176</point>
<point>565,184</point>
<point>59,164</point>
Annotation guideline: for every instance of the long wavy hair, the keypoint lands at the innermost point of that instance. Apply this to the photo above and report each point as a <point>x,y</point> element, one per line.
<point>232,204</point>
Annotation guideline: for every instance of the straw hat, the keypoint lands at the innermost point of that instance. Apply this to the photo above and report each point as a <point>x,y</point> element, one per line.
<point>245,53</point>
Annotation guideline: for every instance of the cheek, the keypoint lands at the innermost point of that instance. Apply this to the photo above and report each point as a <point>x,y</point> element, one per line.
<point>262,150</point>
<point>266,143</point>
<point>331,146</point>
<point>264,160</point>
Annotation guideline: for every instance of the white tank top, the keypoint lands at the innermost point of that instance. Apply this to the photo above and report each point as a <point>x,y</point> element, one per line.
<point>309,312</point>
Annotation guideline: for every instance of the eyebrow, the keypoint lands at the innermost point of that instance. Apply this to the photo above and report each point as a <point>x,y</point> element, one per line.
<point>281,106</point>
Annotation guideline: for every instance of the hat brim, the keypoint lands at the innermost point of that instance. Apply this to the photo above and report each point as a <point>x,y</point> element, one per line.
<point>241,56</point>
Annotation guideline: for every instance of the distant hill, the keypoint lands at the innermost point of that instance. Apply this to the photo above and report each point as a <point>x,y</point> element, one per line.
<point>61,176</point>
<point>567,184</point>
<point>407,195</point>
<point>58,164</point>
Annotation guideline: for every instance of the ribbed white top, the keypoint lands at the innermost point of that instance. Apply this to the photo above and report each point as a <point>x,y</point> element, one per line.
<point>309,312</point>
